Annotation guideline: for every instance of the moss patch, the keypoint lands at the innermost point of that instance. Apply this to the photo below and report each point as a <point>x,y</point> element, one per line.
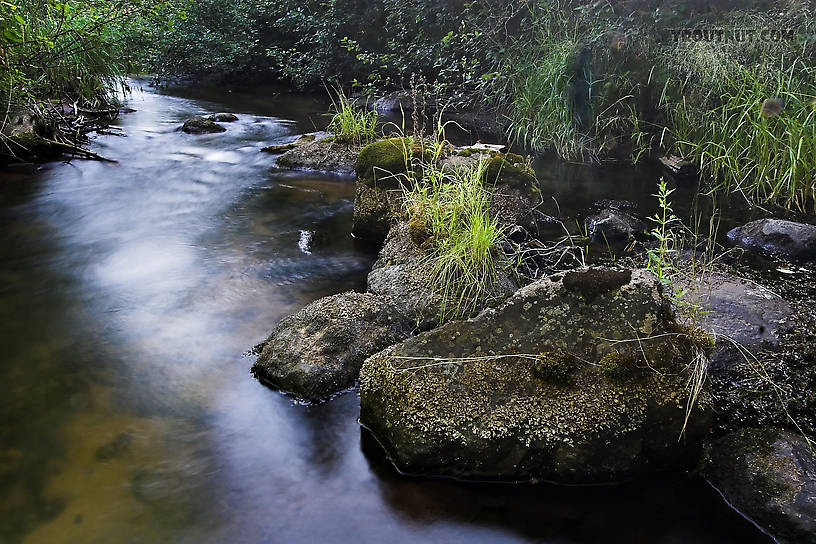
<point>618,366</point>
<point>555,367</point>
<point>595,282</point>
<point>510,170</point>
<point>381,163</point>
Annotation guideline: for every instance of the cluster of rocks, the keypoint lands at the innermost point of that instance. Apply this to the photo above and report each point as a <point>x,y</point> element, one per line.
<point>199,124</point>
<point>578,377</point>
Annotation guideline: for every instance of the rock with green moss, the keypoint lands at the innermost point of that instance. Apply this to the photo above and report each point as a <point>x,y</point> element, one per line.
<point>510,170</point>
<point>26,136</point>
<point>384,163</point>
<point>319,350</point>
<point>517,393</point>
<point>769,475</point>
<point>381,169</point>
<point>201,125</point>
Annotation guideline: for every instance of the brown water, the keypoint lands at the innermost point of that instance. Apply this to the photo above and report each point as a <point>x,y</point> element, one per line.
<point>129,293</point>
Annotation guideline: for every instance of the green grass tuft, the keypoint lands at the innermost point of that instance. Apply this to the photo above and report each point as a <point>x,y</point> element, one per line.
<point>352,125</point>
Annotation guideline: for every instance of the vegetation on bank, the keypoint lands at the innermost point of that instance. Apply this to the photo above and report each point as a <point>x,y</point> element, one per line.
<point>588,80</point>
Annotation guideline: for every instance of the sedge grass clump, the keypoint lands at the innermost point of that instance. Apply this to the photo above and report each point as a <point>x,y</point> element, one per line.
<point>461,235</point>
<point>349,124</point>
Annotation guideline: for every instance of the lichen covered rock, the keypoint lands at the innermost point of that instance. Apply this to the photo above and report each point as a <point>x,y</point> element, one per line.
<point>201,125</point>
<point>375,211</point>
<point>319,350</point>
<point>320,154</point>
<point>769,475</point>
<point>777,237</point>
<point>574,379</point>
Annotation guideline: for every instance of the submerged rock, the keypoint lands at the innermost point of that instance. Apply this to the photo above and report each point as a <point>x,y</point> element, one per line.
<point>575,379</point>
<point>319,350</point>
<point>613,225</point>
<point>201,125</point>
<point>769,475</point>
<point>322,154</point>
<point>777,237</point>
<point>223,117</point>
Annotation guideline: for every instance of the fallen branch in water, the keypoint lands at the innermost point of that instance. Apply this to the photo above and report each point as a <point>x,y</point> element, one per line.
<point>86,154</point>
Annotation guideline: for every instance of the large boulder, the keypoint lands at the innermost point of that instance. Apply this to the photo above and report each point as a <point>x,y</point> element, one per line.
<point>320,154</point>
<point>769,475</point>
<point>580,378</point>
<point>777,237</point>
<point>319,350</point>
<point>403,275</point>
<point>201,125</point>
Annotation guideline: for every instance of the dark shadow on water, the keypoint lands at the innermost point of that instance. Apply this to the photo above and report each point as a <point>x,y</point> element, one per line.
<point>659,508</point>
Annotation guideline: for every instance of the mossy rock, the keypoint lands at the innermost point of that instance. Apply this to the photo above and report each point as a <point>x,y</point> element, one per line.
<point>319,350</point>
<point>373,214</point>
<point>510,170</point>
<point>403,274</point>
<point>384,162</point>
<point>478,404</point>
<point>201,125</point>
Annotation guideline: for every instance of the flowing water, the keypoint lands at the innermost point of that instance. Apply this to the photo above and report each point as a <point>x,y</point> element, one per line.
<point>129,296</point>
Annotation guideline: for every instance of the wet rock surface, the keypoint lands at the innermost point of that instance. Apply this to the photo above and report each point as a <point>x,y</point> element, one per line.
<point>777,238</point>
<point>548,385</point>
<point>319,350</point>
<point>201,125</point>
<point>762,369</point>
<point>614,225</point>
<point>770,476</point>
<point>223,117</point>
